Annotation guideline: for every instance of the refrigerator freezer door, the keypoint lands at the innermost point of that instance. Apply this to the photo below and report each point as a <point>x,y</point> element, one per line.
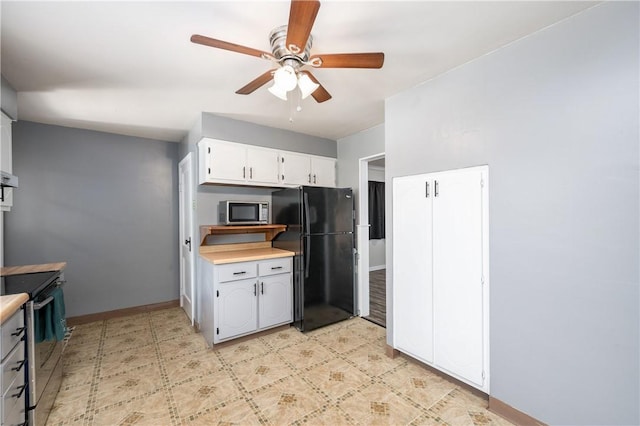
<point>327,210</point>
<point>328,282</point>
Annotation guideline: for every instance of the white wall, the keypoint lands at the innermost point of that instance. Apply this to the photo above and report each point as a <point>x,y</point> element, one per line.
<point>556,118</point>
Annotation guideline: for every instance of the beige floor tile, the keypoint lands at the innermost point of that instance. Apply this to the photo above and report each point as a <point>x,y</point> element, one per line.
<point>150,410</point>
<point>120,328</point>
<point>283,339</point>
<point>127,341</point>
<point>328,415</point>
<point>235,413</point>
<point>372,359</point>
<point>306,354</point>
<point>76,353</point>
<point>336,377</point>
<point>71,403</point>
<point>366,329</point>
<point>255,373</point>
<point>116,362</point>
<point>90,332</point>
<point>195,396</point>
<point>342,341</point>
<point>378,405</point>
<point>172,330</point>
<point>197,365</point>
<point>182,346</point>
<point>76,374</point>
<point>287,400</point>
<point>419,384</point>
<point>128,385</point>
<point>243,351</point>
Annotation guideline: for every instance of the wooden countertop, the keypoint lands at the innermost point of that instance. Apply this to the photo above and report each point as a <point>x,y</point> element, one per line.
<point>29,269</point>
<point>10,304</point>
<point>222,257</point>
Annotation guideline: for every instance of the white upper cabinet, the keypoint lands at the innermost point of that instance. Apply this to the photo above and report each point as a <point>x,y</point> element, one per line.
<point>300,169</point>
<point>239,164</point>
<point>233,163</point>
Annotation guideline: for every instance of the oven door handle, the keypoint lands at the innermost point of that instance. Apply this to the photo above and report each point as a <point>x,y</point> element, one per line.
<point>40,305</point>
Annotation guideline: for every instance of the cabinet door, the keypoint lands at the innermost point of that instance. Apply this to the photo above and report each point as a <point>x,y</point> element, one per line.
<point>236,308</point>
<point>6,159</point>
<point>296,169</point>
<point>412,263</point>
<point>458,273</point>
<point>227,162</point>
<point>276,300</point>
<point>262,165</point>
<point>323,171</point>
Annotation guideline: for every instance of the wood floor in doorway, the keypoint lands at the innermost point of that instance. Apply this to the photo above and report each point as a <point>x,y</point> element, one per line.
<point>378,297</point>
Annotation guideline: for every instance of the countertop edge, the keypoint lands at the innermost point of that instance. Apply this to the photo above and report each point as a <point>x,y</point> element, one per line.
<point>29,269</point>
<point>221,258</point>
<point>9,304</point>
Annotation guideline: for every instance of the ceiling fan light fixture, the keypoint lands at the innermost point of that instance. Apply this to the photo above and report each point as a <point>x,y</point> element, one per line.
<point>306,85</point>
<point>278,92</point>
<point>285,78</point>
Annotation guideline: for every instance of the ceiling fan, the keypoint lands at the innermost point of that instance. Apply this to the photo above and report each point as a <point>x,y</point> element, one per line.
<point>290,52</point>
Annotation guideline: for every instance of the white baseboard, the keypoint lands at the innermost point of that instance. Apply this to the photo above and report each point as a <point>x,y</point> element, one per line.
<point>377,268</point>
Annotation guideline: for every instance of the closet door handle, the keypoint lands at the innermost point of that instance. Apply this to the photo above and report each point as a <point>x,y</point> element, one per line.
<point>255,289</point>
<point>261,288</point>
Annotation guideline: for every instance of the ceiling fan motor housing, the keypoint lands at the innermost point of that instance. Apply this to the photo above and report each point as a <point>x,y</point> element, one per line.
<point>278,40</point>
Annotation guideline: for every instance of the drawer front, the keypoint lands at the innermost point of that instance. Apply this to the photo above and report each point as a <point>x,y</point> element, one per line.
<point>237,271</point>
<point>13,407</point>
<point>275,266</point>
<point>12,332</point>
<point>13,366</point>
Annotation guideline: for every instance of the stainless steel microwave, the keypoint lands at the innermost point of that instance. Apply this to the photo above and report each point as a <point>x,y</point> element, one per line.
<point>243,212</point>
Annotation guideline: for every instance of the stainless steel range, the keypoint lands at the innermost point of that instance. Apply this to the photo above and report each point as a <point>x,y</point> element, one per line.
<point>44,357</point>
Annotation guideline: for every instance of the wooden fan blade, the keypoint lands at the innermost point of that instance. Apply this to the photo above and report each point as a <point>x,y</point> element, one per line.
<point>212,42</point>
<point>302,15</point>
<point>257,83</point>
<point>349,60</point>
<point>320,94</point>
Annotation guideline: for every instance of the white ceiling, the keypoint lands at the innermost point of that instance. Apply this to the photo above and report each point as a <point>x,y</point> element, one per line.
<point>129,67</point>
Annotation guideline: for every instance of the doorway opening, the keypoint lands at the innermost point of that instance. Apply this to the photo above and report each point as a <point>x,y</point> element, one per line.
<point>371,242</point>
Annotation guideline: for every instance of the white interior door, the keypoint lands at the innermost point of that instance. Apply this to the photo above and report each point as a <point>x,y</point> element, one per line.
<point>187,242</point>
<point>412,266</point>
<point>458,273</point>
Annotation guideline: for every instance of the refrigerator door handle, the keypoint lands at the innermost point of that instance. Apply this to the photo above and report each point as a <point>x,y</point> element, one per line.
<point>307,255</point>
<point>307,225</point>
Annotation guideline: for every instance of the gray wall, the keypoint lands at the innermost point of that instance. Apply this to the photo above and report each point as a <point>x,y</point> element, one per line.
<point>9,99</point>
<point>106,204</point>
<point>555,116</point>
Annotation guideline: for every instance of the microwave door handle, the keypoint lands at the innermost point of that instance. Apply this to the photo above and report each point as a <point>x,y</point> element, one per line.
<point>40,305</point>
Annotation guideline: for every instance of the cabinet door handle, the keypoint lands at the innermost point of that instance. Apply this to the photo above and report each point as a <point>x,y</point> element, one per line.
<point>20,365</point>
<point>435,189</point>
<point>19,394</point>
<point>261,288</point>
<point>240,273</point>
<point>255,289</point>
<point>244,172</point>
<point>19,331</point>
<point>250,172</point>
<point>273,268</point>
<point>314,179</point>
<point>427,189</point>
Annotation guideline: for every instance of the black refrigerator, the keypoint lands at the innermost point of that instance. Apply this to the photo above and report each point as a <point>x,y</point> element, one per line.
<point>320,225</point>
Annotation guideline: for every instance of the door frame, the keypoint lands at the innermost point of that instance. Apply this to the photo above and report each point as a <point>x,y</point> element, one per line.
<point>188,186</point>
<point>362,234</point>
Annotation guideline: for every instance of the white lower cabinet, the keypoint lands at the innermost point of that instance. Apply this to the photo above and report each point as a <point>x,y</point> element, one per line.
<point>245,297</point>
<point>12,371</point>
<point>441,271</point>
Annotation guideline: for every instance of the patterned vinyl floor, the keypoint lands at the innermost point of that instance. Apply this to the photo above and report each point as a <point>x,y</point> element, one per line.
<point>153,369</point>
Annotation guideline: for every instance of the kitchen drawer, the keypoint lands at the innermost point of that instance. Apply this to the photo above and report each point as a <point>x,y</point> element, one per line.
<point>13,366</point>
<point>237,271</point>
<point>275,266</point>
<point>12,332</point>
<point>12,407</point>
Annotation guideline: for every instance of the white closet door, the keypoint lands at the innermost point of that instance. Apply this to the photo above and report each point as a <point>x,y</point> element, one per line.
<point>412,254</point>
<point>457,274</point>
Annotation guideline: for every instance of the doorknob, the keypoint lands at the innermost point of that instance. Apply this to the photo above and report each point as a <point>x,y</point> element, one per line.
<point>188,242</point>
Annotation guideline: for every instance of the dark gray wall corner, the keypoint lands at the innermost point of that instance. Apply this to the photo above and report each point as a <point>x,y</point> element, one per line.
<point>555,115</point>
<point>107,204</point>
